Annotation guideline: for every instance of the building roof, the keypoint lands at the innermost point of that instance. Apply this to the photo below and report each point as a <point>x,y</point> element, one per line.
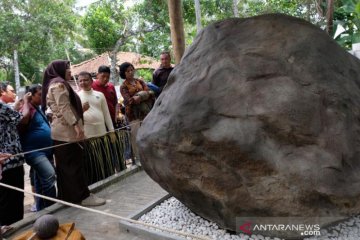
<point>139,61</point>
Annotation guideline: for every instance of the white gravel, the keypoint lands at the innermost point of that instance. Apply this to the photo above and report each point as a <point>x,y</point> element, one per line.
<point>175,215</point>
<point>346,230</point>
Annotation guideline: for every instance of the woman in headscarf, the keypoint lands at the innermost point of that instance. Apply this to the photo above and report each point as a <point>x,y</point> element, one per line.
<point>67,127</point>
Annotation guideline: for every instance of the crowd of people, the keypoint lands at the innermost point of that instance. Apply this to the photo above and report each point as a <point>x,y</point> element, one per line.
<point>51,126</point>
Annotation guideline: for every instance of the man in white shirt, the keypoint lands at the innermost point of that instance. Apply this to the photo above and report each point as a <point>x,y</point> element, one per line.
<point>97,120</point>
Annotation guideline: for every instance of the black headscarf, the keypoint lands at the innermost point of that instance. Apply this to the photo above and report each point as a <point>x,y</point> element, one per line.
<point>55,73</point>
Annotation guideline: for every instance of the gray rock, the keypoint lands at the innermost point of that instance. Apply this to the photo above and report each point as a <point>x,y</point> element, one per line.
<point>260,118</point>
<point>46,226</point>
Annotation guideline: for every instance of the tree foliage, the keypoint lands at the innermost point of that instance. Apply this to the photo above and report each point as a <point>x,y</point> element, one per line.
<point>156,13</point>
<point>103,23</point>
<point>39,30</point>
<point>347,15</point>
<point>42,30</point>
<point>153,13</point>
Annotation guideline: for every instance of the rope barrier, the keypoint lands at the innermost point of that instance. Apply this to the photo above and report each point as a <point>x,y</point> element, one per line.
<point>67,143</point>
<point>94,210</point>
<point>107,214</point>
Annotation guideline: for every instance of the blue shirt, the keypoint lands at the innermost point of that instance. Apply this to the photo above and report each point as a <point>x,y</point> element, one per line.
<point>38,135</point>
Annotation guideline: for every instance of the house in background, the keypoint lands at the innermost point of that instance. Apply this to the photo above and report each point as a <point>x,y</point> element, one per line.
<point>139,61</point>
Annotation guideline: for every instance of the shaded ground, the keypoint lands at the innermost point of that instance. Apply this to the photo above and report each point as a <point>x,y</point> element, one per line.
<point>29,200</point>
<point>123,198</point>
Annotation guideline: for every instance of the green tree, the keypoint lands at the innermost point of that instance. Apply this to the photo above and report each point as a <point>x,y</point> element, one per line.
<point>148,14</point>
<point>103,23</point>
<point>108,27</point>
<point>111,27</point>
<point>347,15</point>
<point>145,74</point>
<point>153,14</point>
<point>305,9</point>
<point>37,29</point>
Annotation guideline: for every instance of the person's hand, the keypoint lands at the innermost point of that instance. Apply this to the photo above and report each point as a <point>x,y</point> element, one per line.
<point>85,106</point>
<point>18,104</point>
<point>137,99</point>
<point>79,132</point>
<point>4,156</point>
<point>27,97</point>
<point>151,93</point>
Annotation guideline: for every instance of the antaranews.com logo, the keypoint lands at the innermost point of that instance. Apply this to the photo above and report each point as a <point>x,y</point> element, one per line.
<point>303,229</point>
<point>285,227</point>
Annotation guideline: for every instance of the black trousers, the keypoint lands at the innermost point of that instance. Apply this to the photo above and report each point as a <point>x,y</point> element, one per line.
<point>11,201</point>
<point>71,178</point>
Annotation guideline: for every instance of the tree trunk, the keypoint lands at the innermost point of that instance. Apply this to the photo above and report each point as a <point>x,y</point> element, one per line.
<point>177,29</point>
<point>16,71</point>
<point>113,59</point>
<point>198,15</point>
<point>330,17</point>
<point>235,8</point>
<point>75,80</point>
<point>308,5</point>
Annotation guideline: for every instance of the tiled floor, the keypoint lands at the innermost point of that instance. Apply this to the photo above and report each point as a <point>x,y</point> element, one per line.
<point>123,198</point>
<point>29,200</point>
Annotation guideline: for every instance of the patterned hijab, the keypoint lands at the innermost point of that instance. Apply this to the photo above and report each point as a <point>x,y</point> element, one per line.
<point>55,73</point>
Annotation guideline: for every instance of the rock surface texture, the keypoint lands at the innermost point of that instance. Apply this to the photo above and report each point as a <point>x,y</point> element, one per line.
<point>260,118</point>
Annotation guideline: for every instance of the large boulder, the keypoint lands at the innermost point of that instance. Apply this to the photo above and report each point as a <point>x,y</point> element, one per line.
<point>260,118</point>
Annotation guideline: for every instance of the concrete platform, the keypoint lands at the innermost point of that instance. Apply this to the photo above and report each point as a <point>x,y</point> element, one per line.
<point>127,193</point>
